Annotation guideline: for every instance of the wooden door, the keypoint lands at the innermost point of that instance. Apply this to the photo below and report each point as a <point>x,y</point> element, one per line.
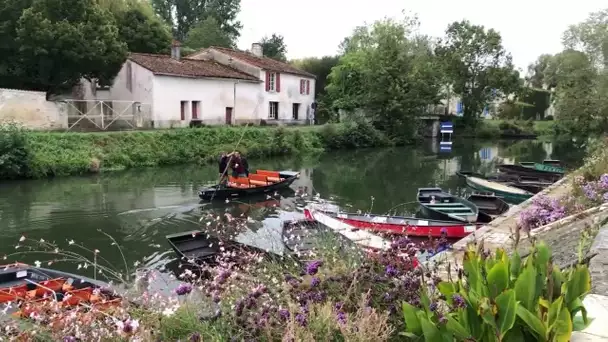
<point>228,115</point>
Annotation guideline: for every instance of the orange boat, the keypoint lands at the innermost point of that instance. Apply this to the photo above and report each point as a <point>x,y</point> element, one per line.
<point>36,289</point>
<point>263,181</point>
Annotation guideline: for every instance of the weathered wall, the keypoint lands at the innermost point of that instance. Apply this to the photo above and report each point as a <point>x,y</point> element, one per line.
<point>32,109</point>
<point>214,96</point>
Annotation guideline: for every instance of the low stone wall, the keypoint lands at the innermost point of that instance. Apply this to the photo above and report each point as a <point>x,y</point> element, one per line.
<point>31,109</point>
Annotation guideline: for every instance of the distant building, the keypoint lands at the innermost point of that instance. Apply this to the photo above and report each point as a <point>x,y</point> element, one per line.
<point>212,86</point>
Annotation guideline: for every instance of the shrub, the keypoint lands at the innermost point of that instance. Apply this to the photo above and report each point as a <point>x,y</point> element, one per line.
<point>14,151</point>
<point>502,298</point>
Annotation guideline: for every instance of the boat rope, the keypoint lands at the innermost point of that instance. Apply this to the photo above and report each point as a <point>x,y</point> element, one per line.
<point>230,159</point>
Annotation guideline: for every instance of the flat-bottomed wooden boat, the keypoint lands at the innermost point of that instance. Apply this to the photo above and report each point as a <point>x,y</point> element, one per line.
<point>509,193</point>
<point>489,204</point>
<point>263,181</point>
<point>439,205</point>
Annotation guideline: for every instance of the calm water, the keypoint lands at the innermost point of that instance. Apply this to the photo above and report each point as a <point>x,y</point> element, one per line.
<point>138,208</point>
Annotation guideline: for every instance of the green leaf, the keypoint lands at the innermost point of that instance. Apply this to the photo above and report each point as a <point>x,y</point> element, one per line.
<point>578,284</point>
<point>579,323</point>
<point>471,266</point>
<point>525,288</point>
<point>488,312</point>
<point>533,322</point>
<point>514,335</point>
<point>515,265</point>
<point>554,312</point>
<point>412,323</point>
<point>446,288</point>
<point>456,328</point>
<point>498,279</point>
<point>472,318</point>
<point>506,311</point>
<point>575,307</point>
<point>430,331</point>
<point>558,280</point>
<point>563,326</point>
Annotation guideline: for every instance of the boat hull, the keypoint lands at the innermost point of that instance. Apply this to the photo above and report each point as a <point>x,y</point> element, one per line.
<point>498,190</point>
<point>520,170</point>
<point>489,204</point>
<point>221,192</point>
<point>447,207</point>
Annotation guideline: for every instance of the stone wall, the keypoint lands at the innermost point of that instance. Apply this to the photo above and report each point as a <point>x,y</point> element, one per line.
<point>31,109</point>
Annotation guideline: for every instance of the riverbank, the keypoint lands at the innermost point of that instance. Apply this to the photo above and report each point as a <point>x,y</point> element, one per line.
<point>508,129</point>
<point>29,154</point>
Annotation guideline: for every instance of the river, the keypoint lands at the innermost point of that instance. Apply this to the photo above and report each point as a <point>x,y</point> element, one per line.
<point>137,208</point>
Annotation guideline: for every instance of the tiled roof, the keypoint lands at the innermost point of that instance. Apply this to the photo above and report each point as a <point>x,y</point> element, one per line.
<point>263,62</point>
<point>165,65</point>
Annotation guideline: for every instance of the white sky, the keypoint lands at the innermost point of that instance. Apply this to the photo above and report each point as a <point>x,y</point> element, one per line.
<point>316,27</point>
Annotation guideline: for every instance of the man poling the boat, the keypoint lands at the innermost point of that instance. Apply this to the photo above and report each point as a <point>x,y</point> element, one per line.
<point>240,167</point>
<point>223,167</point>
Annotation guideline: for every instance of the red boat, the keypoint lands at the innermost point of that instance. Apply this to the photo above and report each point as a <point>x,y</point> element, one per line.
<point>411,226</point>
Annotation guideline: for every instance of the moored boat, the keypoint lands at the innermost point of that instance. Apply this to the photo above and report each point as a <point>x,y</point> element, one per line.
<point>508,193</point>
<point>489,203</point>
<point>263,181</point>
<point>32,288</point>
<point>439,205</point>
<point>547,172</point>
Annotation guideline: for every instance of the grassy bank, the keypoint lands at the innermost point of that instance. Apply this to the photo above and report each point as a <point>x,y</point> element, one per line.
<point>491,129</point>
<point>26,154</point>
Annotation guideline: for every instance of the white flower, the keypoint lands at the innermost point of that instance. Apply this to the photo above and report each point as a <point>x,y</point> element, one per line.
<point>37,263</point>
<point>71,242</point>
<point>22,238</point>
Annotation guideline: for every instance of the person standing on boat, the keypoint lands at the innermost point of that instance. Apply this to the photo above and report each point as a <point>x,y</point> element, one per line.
<point>238,167</point>
<point>223,167</point>
<point>243,162</point>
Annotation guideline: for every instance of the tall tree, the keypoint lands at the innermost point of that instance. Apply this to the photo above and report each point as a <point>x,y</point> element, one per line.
<point>538,72</point>
<point>478,66</point>
<point>183,15</point>
<point>57,42</point>
<point>320,67</point>
<point>142,32</point>
<point>208,33</point>
<point>390,74</point>
<point>274,47</point>
<point>590,36</point>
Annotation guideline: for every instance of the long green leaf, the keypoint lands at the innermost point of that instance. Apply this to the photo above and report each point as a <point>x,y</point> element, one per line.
<point>562,331</point>
<point>430,331</point>
<point>498,279</point>
<point>515,265</point>
<point>575,307</point>
<point>554,311</point>
<point>579,284</point>
<point>446,288</point>
<point>506,311</point>
<point>456,328</point>
<point>470,265</point>
<point>412,323</point>
<point>533,322</point>
<point>579,324</point>
<point>525,286</point>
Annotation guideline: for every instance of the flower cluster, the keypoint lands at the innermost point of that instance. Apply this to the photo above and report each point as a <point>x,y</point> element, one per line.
<point>543,210</point>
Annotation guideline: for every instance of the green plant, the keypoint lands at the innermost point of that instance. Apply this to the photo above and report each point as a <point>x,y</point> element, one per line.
<point>14,151</point>
<point>502,298</point>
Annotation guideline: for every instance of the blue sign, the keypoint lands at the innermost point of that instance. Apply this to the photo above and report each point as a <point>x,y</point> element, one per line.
<point>447,127</point>
<point>445,148</point>
<point>459,108</point>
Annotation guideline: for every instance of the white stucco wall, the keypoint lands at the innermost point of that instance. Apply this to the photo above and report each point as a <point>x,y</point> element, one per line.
<point>288,95</point>
<point>32,110</point>
<point>214,96</point>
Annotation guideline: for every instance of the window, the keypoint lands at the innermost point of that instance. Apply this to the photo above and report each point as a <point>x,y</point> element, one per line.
<point>183,105</point>
<point>302,87</point>
<point>273,110</point>
<point>129,77</point>
<point>273,81</point>
<point>295,111</point>
<point>196,107</point>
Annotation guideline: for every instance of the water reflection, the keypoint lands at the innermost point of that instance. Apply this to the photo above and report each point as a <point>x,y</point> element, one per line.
<point>139,208</point>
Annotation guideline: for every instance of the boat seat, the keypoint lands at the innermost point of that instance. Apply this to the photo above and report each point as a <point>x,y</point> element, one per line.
<point>239,182</point>
<point>258,179</point>
<point>272,176</point>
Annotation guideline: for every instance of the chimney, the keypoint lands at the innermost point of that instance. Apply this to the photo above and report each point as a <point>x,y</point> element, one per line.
<point>175,50</point>
<point>256,49</point>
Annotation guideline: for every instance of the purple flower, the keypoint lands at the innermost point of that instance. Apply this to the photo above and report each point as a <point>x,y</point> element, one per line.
<point>284,314</point>
<point>341,317</point>
<point>459,302</point>
<point>444,231</point>
<point>301,319</point>
<point>315,282</point>
<point>338,306</point>
<point>391,271</point>
<point>313,267</point>
<point>433,306</point>
<point>195,337</point>
<point>183,289</point>
<point>69,339</point>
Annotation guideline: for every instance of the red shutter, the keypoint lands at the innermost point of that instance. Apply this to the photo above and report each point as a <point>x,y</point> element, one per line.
<point>307,87</point>
<point>267,81</point>
<point>301,86</point>
<point>278,81</point>
<point>194,109</point>
<point>182,105</point>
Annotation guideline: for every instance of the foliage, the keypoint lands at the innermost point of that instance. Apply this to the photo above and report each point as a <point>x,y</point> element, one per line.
<point>274,47</point>
<point>388,73</point>
<point>538,72</point>
<point>320,67</point>
<point>183,15</point>
<point>57,154</point>
<point>502,298</point>
<point>208,33</point>
<point>51,44</point>
<point>478,67</point>
<point>14,151</point>
<point>141,31</point>
<point>512,110</point>
<point>590,36</point>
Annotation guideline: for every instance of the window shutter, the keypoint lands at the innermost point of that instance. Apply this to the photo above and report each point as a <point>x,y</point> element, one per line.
<point>277,86</point>
<point>307,87</point>
<point>301,87</point>
<point>267,81</point>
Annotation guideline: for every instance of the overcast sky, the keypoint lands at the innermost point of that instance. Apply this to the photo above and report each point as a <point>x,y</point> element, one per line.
<point>316,27</point>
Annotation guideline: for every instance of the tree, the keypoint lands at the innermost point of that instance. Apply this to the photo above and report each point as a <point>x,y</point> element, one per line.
<point>183,15</point>
<point>208,33</point>
<point>478,67</point>
<point>274,47</point>
<point>321,68</point>
<point>57,42</point>
<point>390,74</point>
<point>538,72</point>
<point>590,36</point>
<point>142,32</point>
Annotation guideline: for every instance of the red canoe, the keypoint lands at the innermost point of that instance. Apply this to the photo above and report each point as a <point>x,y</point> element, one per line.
<point>411,226</point>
